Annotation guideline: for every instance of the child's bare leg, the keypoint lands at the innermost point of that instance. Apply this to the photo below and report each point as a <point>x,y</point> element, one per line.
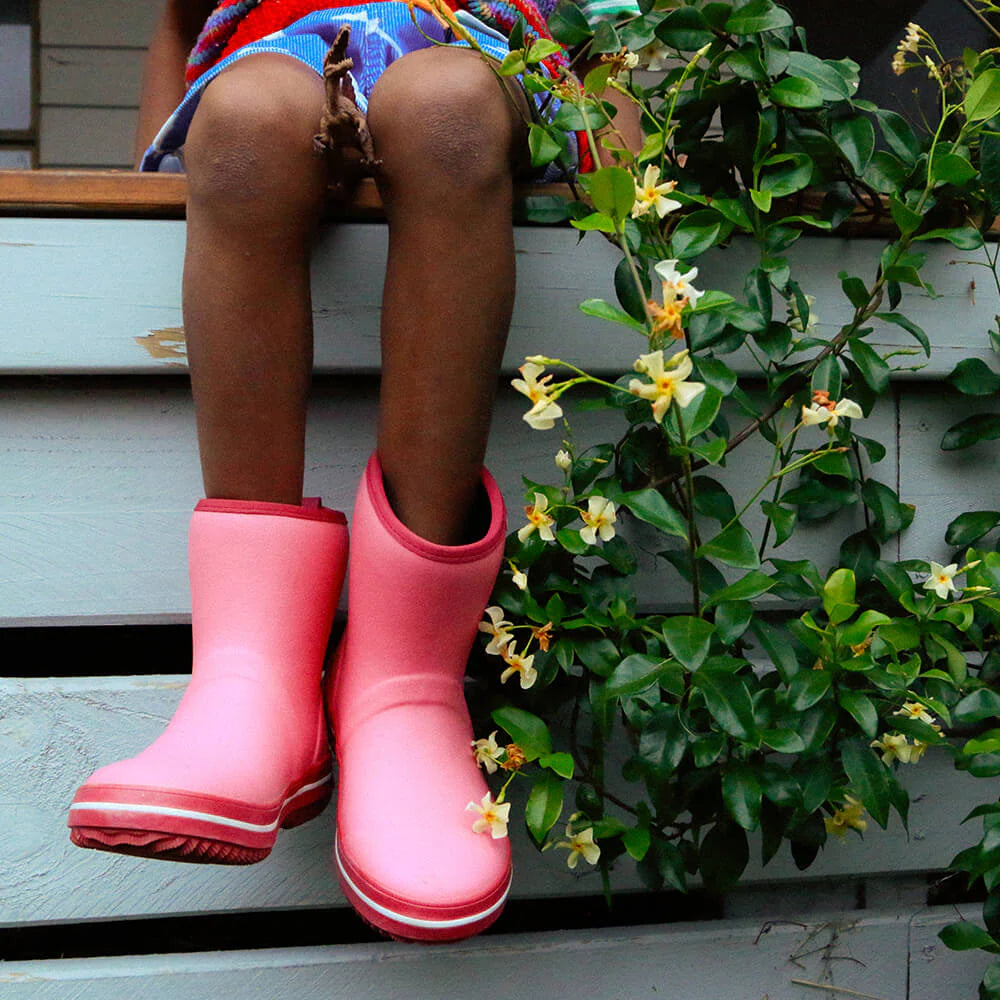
<point>449,139</point>
<point>255,192</point>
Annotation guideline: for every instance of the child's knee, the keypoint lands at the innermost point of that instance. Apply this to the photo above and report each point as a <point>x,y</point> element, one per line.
<point>251,136</point>
<point>444,112</point>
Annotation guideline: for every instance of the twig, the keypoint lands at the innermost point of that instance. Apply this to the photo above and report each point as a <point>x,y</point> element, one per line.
<point>836,989</point>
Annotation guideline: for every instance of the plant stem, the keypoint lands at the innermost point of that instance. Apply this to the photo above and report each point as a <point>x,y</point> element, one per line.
<point>692,536</point>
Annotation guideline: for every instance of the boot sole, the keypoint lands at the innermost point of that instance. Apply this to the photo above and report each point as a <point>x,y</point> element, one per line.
<point>169,825</point>
<point>417,923</point>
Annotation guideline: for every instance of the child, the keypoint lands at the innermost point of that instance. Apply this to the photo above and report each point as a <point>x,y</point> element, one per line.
<point>246,752</point>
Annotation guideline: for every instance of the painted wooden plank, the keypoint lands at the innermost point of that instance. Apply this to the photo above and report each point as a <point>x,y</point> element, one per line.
<point>933,966</point>
<point>113,287</point>
<point>942,484</point>
<point>696,962</point>
<point>100,477</point>
<point>105,23</point>
<point>90,77</point>
<point>55,732</point>
<point>866,953</point>
<point>85,137</point>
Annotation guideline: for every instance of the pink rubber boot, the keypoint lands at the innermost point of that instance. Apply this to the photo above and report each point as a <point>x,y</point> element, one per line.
<point>406,854</point>
<point>246,751</point>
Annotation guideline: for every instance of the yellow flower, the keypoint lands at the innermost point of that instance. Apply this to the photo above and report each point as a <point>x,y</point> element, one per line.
<point>914,710</point>
<point>942,579</point>
<point>519,577</point>
<point>580,844</point>
<point>669,381</point>
<point>894,746</point>
<point>487,752</point>
<point>650,194</point>
<point>543,635</point>
<point>493,816</point>
<point>848,817</point>
<point>667,318</point>
<point>599,517</point>
<point>514,758</point>
<point>497,628</point>
<point>563,460</point>
<point>538,519</point>
<point>544,410</point>
<point>520,665</point>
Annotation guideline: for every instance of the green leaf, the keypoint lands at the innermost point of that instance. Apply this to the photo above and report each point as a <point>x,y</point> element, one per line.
<point>544,149</point>
<point>732,618</point>
<point>734,546</point>
<point>840,588</point>
<point>783,740</point>
<point>663,742</point>
<point>542,49</point>
<point>856,139</point>
<point>596,220</point>
<point>762,199</point>
<point>750,585</point>
<point>786,173</point>
<point>568,25</point>
<point>783,519</point>
<point>596,81</point>
<point>905,217</point>
<point>650,506</point>
<point>862,709</point>
<point>526,730</point>
<point>796,92</point>
<point>513,64</point>
<point>868,778</point>
<point>723,856</point>
<point>757,16</point>
<point>728,702</point>
<point>970,527</point>
<point>886,508</point>
<point>544,806</point>
<point>982,100</point>
<point>873,368</point>
<point>965,936</point>
<point>698,232</point>
<point>899,135</point>
<point>561,763</point>
<point>688,638</point>
<point>808,687</point>
<point>885,172</point>
<point>636,841</point>
<point>832,85</point>
<point>635,673</point>
<point>779,649</point>
<point>978,706</point>
<point>612,191</point>
<point>973,377</point>
<point>741,793</point>
<point>951,168</point>
<point>854,289</point>
<point>605,310</point>
<point>972,430</point>
<point>915,331</point>
<point>684,28</point>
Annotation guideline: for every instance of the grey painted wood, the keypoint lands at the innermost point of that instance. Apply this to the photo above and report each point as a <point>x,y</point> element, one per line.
<point>744,960</point>
<point>943,484</point>
<point>99,23</point>
<point>55,732</point>
<point>935,970</point>
<point>85,77</point>
<point>110,298</point>
<point>100,476</point>
<point>85,137</point>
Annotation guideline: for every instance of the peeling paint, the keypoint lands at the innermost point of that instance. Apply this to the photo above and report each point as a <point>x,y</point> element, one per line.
<point>165,345</point>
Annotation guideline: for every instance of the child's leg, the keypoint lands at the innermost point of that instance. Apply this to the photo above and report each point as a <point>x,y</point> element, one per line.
<point>450,138</point>
<point>256,188</point>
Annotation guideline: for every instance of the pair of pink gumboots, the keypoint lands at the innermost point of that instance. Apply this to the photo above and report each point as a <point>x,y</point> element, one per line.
<point>247,751</point>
